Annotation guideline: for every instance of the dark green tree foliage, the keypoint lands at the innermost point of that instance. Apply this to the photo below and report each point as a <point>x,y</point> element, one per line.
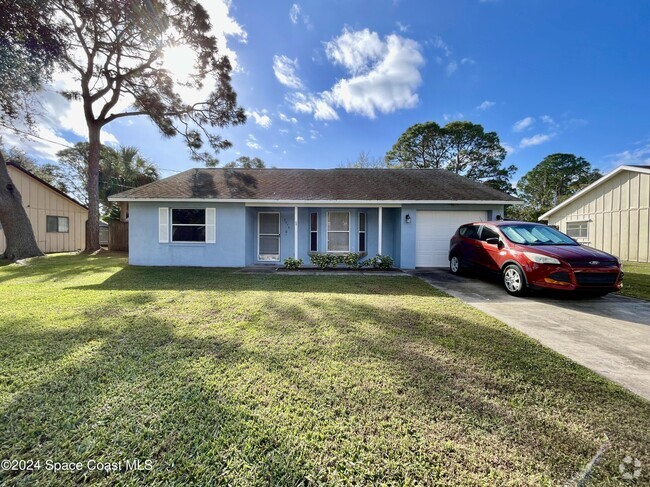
<point>462,147</point>
<point>29,49</point>
<point>550,182</point>
<point>119,170</point>
<point>245,162</point>
<point>115,49</point>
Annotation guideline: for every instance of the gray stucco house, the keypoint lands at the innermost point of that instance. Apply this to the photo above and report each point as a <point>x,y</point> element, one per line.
<point>244,217</point>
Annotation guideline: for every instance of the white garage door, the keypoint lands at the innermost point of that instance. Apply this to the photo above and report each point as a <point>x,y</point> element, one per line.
<point>433,229</point>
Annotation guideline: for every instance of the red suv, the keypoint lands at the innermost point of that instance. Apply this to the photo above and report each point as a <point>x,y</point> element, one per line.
<point>532,255</point>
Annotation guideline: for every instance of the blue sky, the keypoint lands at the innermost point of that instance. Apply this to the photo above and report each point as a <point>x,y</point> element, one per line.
<point>324,81</point>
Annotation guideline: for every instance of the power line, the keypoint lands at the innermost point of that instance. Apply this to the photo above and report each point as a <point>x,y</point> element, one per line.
<point>35,136</point>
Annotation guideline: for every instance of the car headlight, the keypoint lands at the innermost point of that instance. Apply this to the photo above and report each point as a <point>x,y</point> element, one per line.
<point>541,259</point>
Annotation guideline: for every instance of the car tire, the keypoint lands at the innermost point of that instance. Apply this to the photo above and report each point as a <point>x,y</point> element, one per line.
<point>455,265</point>
<point>514,280</point>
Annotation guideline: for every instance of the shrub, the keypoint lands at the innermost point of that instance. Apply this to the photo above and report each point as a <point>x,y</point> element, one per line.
<point>351,260</point>
<point>291,263</point>
<point>384,262</point>
<point>325,261</point>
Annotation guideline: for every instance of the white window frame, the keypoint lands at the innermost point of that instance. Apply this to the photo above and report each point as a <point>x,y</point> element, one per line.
<point>581,224</point>
<point>338,231</point>
<point>364,231</point>
<point>172,225</point>
<point>279,235</point>
<point>312,232</point>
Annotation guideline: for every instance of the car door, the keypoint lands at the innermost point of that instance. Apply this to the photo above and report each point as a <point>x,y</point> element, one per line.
<point>471,245</point>
<point>489,254</point>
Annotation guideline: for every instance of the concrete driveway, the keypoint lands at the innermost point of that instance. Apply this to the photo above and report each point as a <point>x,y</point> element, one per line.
<point>609,335</point>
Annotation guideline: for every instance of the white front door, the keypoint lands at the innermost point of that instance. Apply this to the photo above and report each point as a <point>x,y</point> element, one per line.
<point>434,229</point>
<point>268,242</point>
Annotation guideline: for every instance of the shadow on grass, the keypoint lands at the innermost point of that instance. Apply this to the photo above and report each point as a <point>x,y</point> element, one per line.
<point>211,279</point>
<point>342,388</point>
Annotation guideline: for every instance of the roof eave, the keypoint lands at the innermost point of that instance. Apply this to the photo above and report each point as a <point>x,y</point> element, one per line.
<point>593,185</point>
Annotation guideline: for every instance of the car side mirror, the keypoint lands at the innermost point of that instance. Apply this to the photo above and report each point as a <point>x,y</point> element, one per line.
<point>492,241</point>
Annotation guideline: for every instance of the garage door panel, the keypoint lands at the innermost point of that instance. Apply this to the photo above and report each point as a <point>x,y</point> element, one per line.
<point>433,229</point>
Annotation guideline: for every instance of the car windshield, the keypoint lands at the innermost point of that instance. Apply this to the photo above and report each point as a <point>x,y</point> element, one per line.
<point>535,235</point>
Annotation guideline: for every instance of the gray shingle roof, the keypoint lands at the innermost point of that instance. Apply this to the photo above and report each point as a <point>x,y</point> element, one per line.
<point>317,184</point>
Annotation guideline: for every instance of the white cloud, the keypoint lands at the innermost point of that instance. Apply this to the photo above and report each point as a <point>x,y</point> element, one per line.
<point>385,74</point>
<point>452,116</point>
<point>261,119</point>
<point>451,68</point>
<point>355,50</point>
<point>294,13</point>
<point>403,27</point>
<point>486,105</point>
<point>638,156</point>
<point>313,134</point>
<point>547,120</point>
<point>438,43</point>
<point>523,124</point>
<point>509,149</point>
<point>284,69</point>
<point>252,143</point>
<point>467,60</point>
<point>287,119</point>
<point>300,139</point>
<point>536,139</point>
<point>319,105</point>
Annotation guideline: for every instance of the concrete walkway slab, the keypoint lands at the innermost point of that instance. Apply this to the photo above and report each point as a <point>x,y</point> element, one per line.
<point>609,335</point>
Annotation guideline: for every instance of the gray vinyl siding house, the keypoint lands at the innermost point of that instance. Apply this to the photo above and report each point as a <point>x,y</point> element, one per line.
<point>237,217</point>
<point>612,214</point>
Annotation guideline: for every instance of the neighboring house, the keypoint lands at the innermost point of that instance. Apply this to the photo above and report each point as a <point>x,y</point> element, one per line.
<point>238,217</point>
<point>611,214</point>
<point>59,222</point>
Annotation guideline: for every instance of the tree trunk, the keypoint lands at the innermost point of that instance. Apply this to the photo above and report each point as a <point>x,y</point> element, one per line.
<point>92,227</point>
<point>15,222</point>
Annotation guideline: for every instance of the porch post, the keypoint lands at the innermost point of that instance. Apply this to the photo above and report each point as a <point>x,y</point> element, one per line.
<point>379,231</point>
<point>295,232</point>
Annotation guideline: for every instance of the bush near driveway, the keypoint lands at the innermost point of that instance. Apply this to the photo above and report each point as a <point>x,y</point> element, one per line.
<point>232,379</point>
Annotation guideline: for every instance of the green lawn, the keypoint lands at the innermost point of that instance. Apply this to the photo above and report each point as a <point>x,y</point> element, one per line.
<point>225,378</point>
<point>636,282</point>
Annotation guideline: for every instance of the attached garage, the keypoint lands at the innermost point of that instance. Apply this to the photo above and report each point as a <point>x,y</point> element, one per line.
<point>433,229</point>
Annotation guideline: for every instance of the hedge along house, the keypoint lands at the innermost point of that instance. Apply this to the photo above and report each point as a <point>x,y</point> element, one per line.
<point>238,217</point>
<point>58,221</point>
<point>611,214</point>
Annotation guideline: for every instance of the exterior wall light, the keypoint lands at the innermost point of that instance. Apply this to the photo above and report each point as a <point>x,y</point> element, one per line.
<point>408,218</point>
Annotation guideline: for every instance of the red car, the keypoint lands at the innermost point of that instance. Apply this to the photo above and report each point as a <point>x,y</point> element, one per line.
<point>532,255</point>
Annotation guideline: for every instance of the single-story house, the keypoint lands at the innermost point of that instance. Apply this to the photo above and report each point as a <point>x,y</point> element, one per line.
<point>243,217</point>
<point>611,214</point>
<point>59,222</point>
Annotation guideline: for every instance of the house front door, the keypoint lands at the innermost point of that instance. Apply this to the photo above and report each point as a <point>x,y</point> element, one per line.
<point>268,230</point>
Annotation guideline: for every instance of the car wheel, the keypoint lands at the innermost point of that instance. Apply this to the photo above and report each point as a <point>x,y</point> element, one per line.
<point>514,280</point>
<point>455,266</point>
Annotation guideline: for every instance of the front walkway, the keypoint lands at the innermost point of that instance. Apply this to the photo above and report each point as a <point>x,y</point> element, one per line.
<point>609,335</point>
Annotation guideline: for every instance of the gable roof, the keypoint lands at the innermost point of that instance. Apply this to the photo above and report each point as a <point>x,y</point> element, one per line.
<point>316,185</point>
<point>45,183</point>
<point>606,177</point>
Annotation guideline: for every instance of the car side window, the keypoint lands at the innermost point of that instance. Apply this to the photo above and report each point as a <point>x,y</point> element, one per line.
<point>471,231</point>
<point>487,232</point>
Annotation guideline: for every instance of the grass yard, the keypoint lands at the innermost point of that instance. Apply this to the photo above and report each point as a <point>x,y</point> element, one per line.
<point>636,282</point>
<point>225,378</point>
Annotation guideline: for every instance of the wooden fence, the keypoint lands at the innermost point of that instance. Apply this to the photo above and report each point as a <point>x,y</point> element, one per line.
<point>118,235</point>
